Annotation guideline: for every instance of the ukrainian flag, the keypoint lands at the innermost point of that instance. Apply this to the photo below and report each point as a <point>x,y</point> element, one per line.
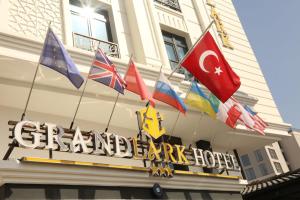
<point>197,99</point>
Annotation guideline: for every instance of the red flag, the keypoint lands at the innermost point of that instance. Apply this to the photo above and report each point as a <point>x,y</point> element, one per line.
<point>136,84</point>
<point>208,65</point>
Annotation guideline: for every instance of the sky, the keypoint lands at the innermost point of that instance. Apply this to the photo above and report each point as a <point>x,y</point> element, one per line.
<point>273,29</point>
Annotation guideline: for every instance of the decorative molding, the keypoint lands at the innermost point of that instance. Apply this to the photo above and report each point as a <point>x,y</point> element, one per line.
<point>170,18</point>
<point>125,167</point>
<point>32,17</point>
<point>13,171</point>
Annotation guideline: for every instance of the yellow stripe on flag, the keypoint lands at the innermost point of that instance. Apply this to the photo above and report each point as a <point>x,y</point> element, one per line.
<point>200,103</point>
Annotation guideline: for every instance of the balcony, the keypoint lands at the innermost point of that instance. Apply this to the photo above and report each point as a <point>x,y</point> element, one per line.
<point>91,44</point>
<point>173,4</point>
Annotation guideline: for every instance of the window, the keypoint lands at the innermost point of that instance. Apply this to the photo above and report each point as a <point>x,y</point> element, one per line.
<point>91,28</point>
<point>263,169</point>
<point>258,155</point>
<point>173,4</point>
<point>245,160</point>
<point>250,174</point>
<point>176,49</point>
<point>278,167</point>
<point>273,154</point>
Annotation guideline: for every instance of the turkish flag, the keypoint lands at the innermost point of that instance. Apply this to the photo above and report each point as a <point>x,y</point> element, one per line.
<point>208,65</point>
<point>135,83</point>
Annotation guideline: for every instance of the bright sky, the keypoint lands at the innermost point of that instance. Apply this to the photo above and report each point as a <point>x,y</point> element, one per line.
<point>273,29</point>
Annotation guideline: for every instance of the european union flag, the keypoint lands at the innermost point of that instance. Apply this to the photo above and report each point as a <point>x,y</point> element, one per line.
<point>56,57</point>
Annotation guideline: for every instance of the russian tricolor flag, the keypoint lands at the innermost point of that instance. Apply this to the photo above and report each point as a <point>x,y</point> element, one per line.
<point>165,93</point>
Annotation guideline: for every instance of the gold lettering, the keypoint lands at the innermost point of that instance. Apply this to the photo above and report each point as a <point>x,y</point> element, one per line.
<point>153,153</point>
<point>168,150</point>
<point>180,154</point>
<point>135,150</point>
<point>225,40</point>
<point>220,28</point>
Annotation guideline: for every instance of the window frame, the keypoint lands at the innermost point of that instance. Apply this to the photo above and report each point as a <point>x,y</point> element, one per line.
<point>98,15</point>
<point>175,46</point>
<point>249,173</point>
<point>277,166</point>
<point>263,168</point>
<point>258,155</point>
<point>273,154</point>
<point>248,159</point>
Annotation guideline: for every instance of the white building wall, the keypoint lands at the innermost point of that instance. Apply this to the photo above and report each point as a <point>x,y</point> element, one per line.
<point>280,159</point>
<point>291,150</point>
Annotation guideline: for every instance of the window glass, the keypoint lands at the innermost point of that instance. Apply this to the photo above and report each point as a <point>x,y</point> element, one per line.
<point>250,174</point>
<point>99,30</point>
<point>263,169</point>
<point>181,52</point>
<point>273,154</point>
<point>258,155</point>
<point>180,41</point>
<point>79,24</point>
<point>176,49</point>
<point>167,37</point>
<point>89,26</point>
<point>171,52</point>
<point>278,167</point>
<point>245,160</point>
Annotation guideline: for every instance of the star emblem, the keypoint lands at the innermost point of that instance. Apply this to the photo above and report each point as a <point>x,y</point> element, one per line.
<point>154,171</point>
<point>218,71</point>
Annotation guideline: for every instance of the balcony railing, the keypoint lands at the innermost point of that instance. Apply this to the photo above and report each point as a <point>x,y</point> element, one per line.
<point>91,44</point>
<point>170,3</point>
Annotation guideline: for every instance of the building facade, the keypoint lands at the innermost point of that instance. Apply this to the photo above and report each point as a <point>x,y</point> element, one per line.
<point>274,159</point>
<point>156,33</point>
<point>290,147</point>
<point>264,162</point>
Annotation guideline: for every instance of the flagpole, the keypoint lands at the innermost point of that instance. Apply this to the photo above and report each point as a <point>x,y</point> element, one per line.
<point>130,59</point>
<point>35,74</point>
<point>189,51</point>
<point>174,126</point>
<point>14,142</point>
<point>83,91</point>
<point>117,98</point>
<point>77,108</point>
<point>112,112</point>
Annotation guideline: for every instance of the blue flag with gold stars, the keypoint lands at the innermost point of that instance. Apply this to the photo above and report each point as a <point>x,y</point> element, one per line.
<point>55,56</point>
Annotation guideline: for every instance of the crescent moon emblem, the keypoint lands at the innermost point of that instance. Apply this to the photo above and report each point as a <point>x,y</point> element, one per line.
<point>203,57</point>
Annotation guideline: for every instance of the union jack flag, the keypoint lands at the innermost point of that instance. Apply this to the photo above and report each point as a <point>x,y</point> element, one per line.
<point>105,72</point>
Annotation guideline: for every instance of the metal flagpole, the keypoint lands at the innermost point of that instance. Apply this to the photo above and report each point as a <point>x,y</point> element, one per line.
<point>117,98</point>
<point>84,87</point>
<point>112,112</point>
<point>35,74</point>
<point>14,142</point>
<point>178,115</point>
<point>85,84</point>
<point>189,51</point>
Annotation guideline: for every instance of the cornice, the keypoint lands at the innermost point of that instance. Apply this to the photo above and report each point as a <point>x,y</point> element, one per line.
<point>13,171</point>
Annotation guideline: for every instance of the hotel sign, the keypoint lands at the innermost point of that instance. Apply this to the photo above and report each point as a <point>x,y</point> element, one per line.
<point>37,135</point>
<point>219,24</point>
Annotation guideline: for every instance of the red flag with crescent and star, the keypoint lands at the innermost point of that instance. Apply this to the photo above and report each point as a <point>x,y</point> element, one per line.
<point>208,65</point>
